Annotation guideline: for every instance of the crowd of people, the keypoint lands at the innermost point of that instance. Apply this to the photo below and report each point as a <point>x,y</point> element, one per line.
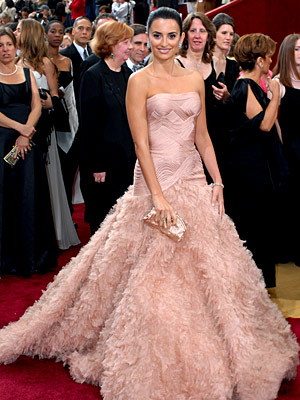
<point>158,116</point>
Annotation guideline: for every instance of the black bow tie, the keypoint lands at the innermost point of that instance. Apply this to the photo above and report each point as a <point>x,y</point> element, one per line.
<point>137,67</point>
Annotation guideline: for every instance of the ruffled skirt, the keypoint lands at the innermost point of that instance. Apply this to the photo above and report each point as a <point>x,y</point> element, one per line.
<point>146,318</point>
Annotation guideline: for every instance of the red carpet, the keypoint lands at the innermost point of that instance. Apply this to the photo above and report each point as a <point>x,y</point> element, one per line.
<point>29,379</point>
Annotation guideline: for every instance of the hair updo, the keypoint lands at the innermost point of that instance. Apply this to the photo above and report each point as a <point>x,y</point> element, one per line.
<point>164,13</point>
<point>249,47</point>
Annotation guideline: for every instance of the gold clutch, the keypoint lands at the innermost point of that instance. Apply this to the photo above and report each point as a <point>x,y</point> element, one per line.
<point>10,157</point>
<point>176,232</point>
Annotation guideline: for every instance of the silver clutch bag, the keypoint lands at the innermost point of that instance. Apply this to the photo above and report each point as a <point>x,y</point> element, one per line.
<point>176,232</point>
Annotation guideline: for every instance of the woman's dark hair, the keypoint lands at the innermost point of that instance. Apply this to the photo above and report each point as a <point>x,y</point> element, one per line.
<point>10,3</point>
<point>5,30</point>
<point>211,30</point>
<point>60,9</point>
<point>50,23</point>
<point>249,47</point>
<point>232,46</point>
<point>164,13</point>
<point>286,65</point>
<point>223,19</point>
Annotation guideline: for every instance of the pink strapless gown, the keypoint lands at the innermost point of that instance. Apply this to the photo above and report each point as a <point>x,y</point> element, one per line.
<point>146,318</point>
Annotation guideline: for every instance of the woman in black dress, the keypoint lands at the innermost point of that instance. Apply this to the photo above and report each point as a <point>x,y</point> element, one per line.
<point>65,132</point>
<point>107,150</point>
<point>256,169</point>
<point>196,54</point>
<point>227,70</point>
<point>287,73</point>
<point>27,239</point>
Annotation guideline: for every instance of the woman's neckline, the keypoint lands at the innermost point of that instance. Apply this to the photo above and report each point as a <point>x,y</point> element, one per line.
<point>172,94</point>
<point>12,84</point>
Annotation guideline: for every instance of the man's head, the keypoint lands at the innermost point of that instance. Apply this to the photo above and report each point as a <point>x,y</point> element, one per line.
<point>25,12</point>
<point>82,31</point>
<point>102,18</point>
<point>45,10</point>
<point>139,44</point>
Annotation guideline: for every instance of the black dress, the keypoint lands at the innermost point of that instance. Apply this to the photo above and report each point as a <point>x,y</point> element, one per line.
<point>216,117</point>
<point>289,124</point>
<point>256,174</point>
<point>216,113</point>
<point>27,238</point>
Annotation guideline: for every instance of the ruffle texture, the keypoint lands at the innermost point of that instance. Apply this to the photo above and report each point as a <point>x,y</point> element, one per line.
<point>146,318</point>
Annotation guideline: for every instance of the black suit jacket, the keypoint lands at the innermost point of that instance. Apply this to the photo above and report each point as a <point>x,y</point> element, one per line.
<point>88,63</point>
<point>72,53</point>
<point>106,142</point>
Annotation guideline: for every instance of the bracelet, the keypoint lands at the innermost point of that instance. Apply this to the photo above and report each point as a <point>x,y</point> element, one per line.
<point>217,184</point>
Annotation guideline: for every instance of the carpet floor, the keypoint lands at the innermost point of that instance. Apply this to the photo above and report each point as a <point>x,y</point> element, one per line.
<point>34,379</point>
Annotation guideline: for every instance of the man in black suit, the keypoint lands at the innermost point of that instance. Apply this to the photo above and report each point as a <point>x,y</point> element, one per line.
<point>78,51</point>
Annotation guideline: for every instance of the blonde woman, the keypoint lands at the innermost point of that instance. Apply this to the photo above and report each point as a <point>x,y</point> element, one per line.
<point>34,55</point>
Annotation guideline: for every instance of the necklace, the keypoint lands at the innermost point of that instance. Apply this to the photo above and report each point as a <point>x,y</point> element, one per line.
<point>296,80</point>
<point>12,73</point>
<point>194,62</point>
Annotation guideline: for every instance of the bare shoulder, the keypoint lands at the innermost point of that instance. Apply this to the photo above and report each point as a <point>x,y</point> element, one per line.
<point>139,81</point>
<point>65,61</point>
<point>196,81</point>
<point>48,65</point>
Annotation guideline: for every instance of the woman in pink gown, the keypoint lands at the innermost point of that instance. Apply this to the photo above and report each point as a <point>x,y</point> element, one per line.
<point>140,315</point>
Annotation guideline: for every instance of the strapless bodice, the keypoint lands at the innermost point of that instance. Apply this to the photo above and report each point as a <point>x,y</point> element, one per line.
<point>171,129</point>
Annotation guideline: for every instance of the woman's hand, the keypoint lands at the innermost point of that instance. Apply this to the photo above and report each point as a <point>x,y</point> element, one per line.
<point>164,211</point>
<point>47,103</point>
<point>99,176</point>
<point>221,94</point>
<point>273,86</point>
<point>217,197</point>
<point>27,131</point>
<point>23,146</point>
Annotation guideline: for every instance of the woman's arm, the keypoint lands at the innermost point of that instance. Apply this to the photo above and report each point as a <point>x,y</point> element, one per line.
<point>27,130</point>
<point>51,75</point>
<point>36,107</point>
<point>206,150</point>
<point>137,117</point>
<point>253,107</point>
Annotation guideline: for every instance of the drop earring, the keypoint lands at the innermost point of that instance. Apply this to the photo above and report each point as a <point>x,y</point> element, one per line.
<point>179,45</point>
<point>111,56</point>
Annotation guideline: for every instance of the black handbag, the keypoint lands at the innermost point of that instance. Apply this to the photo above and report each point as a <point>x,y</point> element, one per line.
<point>60,114</point>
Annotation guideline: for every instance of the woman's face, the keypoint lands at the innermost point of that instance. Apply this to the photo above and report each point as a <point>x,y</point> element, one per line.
<point>297,54</point>
<point>266,64</point>
<point>224,37</point>
<point>164,36</point>
<point>55,35</point>
<point>121,50</point>
<point>7,49</point>
<point>17,31</point>
<point>197,35</point>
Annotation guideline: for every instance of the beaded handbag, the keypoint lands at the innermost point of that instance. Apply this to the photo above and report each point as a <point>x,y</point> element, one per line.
<point>175,232</point>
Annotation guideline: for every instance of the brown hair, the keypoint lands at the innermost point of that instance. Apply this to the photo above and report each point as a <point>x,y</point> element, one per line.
<point>108,35</point>
<point>5,30</point>
<point>249,47</point>
<point>32,44</point>
<point>211,30</point>
<point>286,65</point>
